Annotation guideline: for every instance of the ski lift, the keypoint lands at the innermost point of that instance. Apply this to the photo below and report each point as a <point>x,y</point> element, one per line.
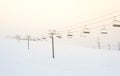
<point>58,36</point>
<point>69,35</point>
<point>52,33</point>
<point>103,30</point>
<point>86,30</point>
<point>44,38</point>
<point>116,23</point>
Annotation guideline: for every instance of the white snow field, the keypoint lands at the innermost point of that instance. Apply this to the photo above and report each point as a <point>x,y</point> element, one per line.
<point>71,60</point>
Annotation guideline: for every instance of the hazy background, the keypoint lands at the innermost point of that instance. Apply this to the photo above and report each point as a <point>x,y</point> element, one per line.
<point>36,17</point>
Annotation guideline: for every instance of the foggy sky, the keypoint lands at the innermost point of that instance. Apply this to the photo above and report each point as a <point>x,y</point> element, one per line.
<point>37,16</point>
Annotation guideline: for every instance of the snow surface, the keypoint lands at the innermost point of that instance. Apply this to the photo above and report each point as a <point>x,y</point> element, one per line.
<point>71,60</point>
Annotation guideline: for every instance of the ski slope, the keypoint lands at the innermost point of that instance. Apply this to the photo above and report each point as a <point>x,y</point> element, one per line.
<point>71,60</point>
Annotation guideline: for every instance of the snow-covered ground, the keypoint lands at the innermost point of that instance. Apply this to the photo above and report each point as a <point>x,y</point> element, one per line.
<point>71,60</point>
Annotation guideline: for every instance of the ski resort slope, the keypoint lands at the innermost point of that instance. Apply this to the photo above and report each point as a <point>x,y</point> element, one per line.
<point>70,60</point>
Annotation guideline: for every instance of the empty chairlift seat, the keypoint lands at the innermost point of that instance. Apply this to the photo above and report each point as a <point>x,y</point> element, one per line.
<point>116,23</point>
<point>69,35</point>
<point>104,30</point>
<point>44,38</point>
<point>86,31</point>
<point>59,36</point>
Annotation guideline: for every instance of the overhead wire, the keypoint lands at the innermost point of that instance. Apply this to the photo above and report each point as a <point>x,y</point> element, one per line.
<point>87,23</point>
<point>83,25</point>
<point>81,29</point>
<point>118,11</point>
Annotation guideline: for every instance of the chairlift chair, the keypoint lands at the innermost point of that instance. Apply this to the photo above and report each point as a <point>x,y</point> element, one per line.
<point>103,30</point>
<point>116,23</point>
<point>58,36</point>
<point>69,35</point>
<point>86,31</point>
<point>44,38</point>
